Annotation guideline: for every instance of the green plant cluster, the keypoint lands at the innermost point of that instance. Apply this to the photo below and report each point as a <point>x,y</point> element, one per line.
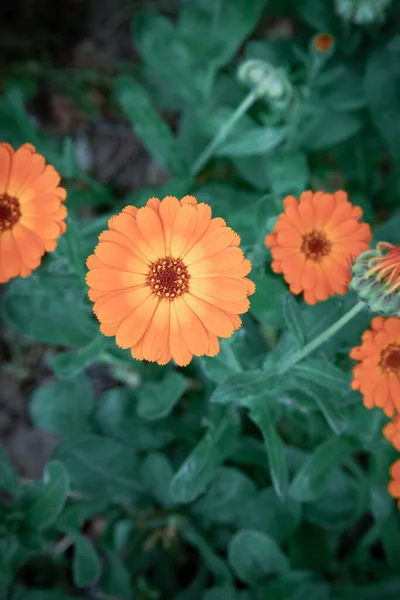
<point>222,480</point>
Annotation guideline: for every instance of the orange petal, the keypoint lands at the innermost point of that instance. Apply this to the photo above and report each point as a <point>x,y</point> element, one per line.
<point>178,348</point>
<point>155,340</point>
<point>183,229</point>
<point>188,200</point>
<point>192,329</point>
<point>111,279</point>
<point>221,288</point>
<point>5,166</point>
<point>209,245</point>
<point>135,325</point>
<point>228,259</point>
<point>120,258</point>
<point>168,210</point>
<point>30,245</point>
<point>151,229</point>
<point>10,260</point>
<point>213,319</point>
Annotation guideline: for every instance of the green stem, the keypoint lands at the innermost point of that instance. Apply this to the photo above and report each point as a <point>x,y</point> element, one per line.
<point>321,338</point>
<point>225,129</point>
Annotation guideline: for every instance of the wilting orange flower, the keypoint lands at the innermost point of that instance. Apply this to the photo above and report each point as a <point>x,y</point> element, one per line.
<point>394,485</point>
<point>167,280</point>
<point>378,374</point>
<point>323,42</point>
<point>314,241</point>
<point>31,211</point>
<point>391,431</point>
<point>386,267</point>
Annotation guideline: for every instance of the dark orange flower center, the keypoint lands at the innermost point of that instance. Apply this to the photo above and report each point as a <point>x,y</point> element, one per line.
<point>315,245</point>
<point>168,278</point>
<point>390,358</point>
<point>10,212</point>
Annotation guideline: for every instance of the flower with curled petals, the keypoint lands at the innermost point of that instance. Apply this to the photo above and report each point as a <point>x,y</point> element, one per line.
<point>32,214</point>
<point>314,241</point>
<point>377,376</point>
<point>394,485</point>
<point>167,280</point>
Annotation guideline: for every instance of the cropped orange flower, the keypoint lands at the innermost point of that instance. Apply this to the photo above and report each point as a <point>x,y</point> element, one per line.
<point>167,280</point>
<point>32,215</point>
<point>377,375</point>
<point>386,266</point>
<point>394,485</point>
<point>314,241</point>
<point>391,431</point>
<point>323,42</point>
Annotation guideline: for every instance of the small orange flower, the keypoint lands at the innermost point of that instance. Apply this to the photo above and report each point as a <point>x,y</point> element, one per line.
<point>323,42</point>
<point>386,267</point>
<point>394,485</point>
<point>391,431</point>
<point>32,215</point>
<point>314,241</point>
<point>167,280</point>
<point>378,374</point>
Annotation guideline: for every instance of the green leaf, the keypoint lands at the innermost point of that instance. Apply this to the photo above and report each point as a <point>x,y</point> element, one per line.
<point>254,556</point>
<point>63,406</point>
<point>322,373</point>
<point>73,362</point>
<point>224,365</point>
<point>98,463</point>
<point>150,128</point>
<point>327,128</point>
<point>333,414</point>
<point>157,474</point>
<point>313,477</point>
<point>294,319</point>
<point>215,564</point>
<point>116,579</point>
<point>156,400</point>
<point>86,567</point>
<point>229,492</point>
<point>8,476</point>
<point>386,516</point>
<point>260,415</point>
<point>288,173</point>
<point>267,302</point>
<point>267,513</point>
<point>256,141</point>
<point>199,468</point>
<point>243,388</point>
<point>381,84</point>
<point>50,497</point>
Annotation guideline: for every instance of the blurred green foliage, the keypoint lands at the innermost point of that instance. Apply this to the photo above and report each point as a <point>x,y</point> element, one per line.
<point>221,481</point>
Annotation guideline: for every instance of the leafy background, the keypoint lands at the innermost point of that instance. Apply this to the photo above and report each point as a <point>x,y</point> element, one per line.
<point>220,481</point>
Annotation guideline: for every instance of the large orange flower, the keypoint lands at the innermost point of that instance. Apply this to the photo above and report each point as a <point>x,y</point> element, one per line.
<point>394,485</point>
<point>314,241</point>
<point>377,376</point>
<point>167,280</point>
<point>32,215</point>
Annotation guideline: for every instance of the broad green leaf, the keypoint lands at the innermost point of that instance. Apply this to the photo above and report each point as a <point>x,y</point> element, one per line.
<point>269,514</point>
<point>288,173</point>
<point>157,474</point>
<point>256,141</point>
<point>152,130</point>
<point>224,500</point>
<point>386,516</point>
<point>324,374</point>
<point>8,476</point>
<point>381,84</point>
<point>254,556</point>
<point>313,477</point>
<point>98,463</point>
<point>73,362</point>
<point>63,406</point>
<point>214,563</point>
<point>199,468</point>
<point>224,365</point>
<point>259,412</point>
<point>156,400</point>
<point>243,388</point>
<point>220,593</point>
<point>117,417</point>
<point>327,128</point>
<point>116,579</point>
<point>50,497</point>
<point>267,302</point>
<point>294,319</point>
<point>86,566</point>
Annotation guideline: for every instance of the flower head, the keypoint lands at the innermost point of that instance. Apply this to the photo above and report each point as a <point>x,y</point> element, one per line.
<point>167,280</point>
<point>314,241</point>
<point>394,485</point>
<point>391,431</point>
<point>323,42</point>
<point>377,375</point>
<point>32,214</point>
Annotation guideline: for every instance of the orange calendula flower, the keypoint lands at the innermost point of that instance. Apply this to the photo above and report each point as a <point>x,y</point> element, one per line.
<point>391,431</point>
<point>32,214</point>
<point>394,485</point>
<point>386,266</point>
<point>314,241</point>
<point>377,375</point>
<point>167,280</point>
<point>323,42</point>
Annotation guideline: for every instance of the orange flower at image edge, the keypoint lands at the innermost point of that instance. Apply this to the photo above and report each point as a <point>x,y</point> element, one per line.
<point>394,485</point>
<point>31,211</point>
<point>377,375</point>
<point>314,241</point>
<point>167,280</point>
